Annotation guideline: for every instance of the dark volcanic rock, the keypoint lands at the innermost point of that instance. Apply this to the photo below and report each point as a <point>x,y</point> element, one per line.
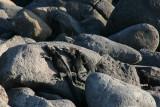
<point>131,12</point>
<point>103,46</point>
<point>150,58</point>
<point>26,67</point>
<point>92,26</point>
<point>148,74</point>
<point>118,70</point>
<point>4,26</point>
<point>105,91</point>
<point>140,36</point>
<point>48,96</point>
<point>27,24</point>
<point>65,23</point>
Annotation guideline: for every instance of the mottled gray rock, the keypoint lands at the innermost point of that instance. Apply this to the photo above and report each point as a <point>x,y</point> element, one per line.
<point>105,91</point>
<point>150,58</point>
<point>16,40</point>
<point>92,26</point>
<point>25,66</point>
<point>11,10</point>
<point>27,24</point>
<point>118,70</point>
<point>62,103</point>
<point>24,97</point>
<point>103,45</point>
<point>3,14</point>
<point>48,96</point>
<point>82,11</point>
<point>140,36</point>
<point>64,23</point>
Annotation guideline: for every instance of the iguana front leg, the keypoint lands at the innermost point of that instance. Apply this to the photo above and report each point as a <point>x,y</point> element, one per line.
<point>45,56</point>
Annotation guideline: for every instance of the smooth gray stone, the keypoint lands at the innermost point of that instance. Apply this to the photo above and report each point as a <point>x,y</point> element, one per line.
<point>105,91</point>
<point>150,58</point>
<point>103,46</point>
<point>131,12</point>
<point>140,36</point>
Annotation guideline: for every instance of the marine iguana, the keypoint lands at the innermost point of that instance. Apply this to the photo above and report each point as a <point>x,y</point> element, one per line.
<point>62,68</point>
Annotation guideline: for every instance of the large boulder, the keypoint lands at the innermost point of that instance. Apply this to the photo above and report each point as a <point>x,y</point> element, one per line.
<point>27,24</point>
<point>64,23</point>
<point>82,11</point>
<point>105,91</point>
<point>103,46</point>
<point>131,12</point>
<point>118,70</point>
<point>26,67</point>
<point>140,36</point>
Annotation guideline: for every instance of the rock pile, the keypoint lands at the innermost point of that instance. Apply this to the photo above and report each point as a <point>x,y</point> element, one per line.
<point>79,53</point>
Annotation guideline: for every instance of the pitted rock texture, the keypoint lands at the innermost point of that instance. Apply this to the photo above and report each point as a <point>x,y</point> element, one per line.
<point>27,24</point>
<point>25,66</point>
<point>140,36</point>
<point>103,46</point>
<point>105,91</point>
<point>118,70</point>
